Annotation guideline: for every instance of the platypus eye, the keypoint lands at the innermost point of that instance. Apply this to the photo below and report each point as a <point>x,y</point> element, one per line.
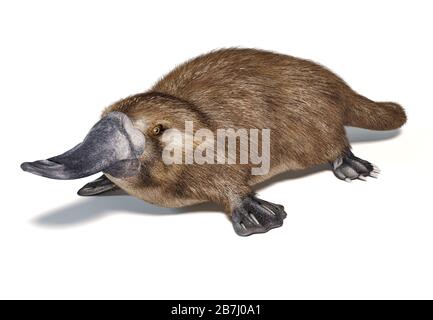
<point>157,130</point>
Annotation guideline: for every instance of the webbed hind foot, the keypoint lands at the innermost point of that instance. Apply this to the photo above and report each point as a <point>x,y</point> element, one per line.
<point>348,167</point>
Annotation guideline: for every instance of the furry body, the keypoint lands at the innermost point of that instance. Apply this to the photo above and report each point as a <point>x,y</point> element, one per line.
<point>305,105</point>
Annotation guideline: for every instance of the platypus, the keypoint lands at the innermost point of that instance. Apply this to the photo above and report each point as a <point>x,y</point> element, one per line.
<point>302,104</point>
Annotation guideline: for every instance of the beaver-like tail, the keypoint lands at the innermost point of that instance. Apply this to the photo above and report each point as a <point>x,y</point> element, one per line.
<point>364,113</point>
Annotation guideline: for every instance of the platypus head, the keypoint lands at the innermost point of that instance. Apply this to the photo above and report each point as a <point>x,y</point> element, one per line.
<point>113,145</point>
<point>126,142</point>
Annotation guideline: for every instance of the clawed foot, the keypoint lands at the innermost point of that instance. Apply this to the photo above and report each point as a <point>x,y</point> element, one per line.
<point>254,215</point>
<point>348,167</point>
<point>99,186</point>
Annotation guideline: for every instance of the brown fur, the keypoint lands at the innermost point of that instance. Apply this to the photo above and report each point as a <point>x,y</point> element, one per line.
<point>305,105</point>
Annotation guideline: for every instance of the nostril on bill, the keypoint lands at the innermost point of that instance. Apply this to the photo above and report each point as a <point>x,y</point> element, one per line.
<point>45,168</point>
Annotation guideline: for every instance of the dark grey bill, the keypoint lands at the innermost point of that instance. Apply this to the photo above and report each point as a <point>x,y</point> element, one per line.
<point>113,146</point>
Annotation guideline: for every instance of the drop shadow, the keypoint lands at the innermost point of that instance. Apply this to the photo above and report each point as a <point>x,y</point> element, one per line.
<point>93,208</point>
<point>357,135</point>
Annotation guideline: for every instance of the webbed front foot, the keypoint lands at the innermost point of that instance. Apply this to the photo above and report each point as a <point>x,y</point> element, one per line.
<point>99,186</point>
<point>254,215</point>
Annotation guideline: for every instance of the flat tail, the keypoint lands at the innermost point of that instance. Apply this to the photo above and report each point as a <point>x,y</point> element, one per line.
<point>367,114</point>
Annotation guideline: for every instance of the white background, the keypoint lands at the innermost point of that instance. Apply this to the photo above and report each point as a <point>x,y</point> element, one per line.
<point>63,62</point>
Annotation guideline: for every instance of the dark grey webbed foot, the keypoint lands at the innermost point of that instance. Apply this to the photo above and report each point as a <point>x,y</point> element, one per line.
<point>255,215</point>
<point>99,186</point>
<point>348,167</point>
